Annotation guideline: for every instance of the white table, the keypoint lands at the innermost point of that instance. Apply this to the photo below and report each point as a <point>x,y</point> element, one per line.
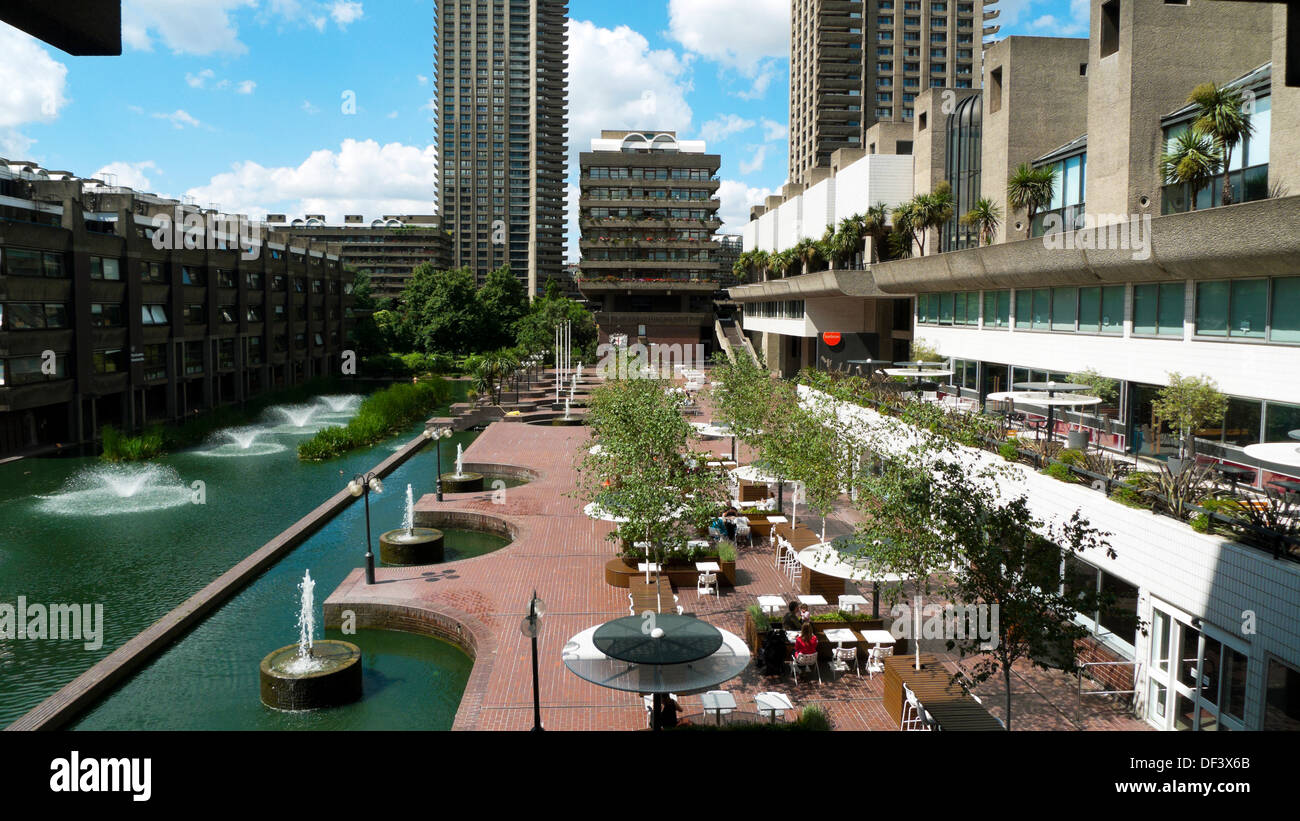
<point>791,635</point>
<point>772,604</point>
<point>772,703</point>
<point>716,701</point>
<point>852,602</point>
<point>647,567</point>
<point>713,464</point>
<point>813,600</point>
<point>698,543</point>
<point>708,567</point>
<point>841,635</point>
<point>777,520</point>
<point>874,637</point>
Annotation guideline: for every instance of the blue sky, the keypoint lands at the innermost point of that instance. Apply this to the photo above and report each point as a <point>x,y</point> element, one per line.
<point>244,103</point>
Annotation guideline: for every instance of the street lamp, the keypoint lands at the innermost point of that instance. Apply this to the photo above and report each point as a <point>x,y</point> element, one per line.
<point>363,484</point>
<point>438,435</point>
<point>530,627</point>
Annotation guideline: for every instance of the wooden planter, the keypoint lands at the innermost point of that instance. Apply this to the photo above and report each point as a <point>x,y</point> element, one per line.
<point>618,572</point>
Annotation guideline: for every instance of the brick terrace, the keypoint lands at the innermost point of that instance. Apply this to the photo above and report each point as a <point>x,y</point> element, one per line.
<point>561,553</point>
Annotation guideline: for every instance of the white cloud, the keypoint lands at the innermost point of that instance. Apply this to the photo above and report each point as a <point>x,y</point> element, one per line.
<point>736,200</point>
<point>1075,26</point>
<point>720,128</point>
<point>421,79</point>
<point>189,28</point>
<point>754,163</point>
<point>773,131</point>
<point>362,177</point>
<point>246,87</point>
<point>130,174</point>
<point>745,36</point>
<point>345,12</point>
<point>625,84</point>
<point>179,119</point>
<point>200,79</point>
<point>32,88</point>
<point>739,34</point>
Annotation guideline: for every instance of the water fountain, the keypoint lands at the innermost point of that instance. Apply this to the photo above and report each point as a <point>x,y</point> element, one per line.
<point>311,674</point>
<point>297,417</point>
<point>346,403</point>
<point>411,545</point>
<point>241,442</point>
<point>460,481</point>
<point>107,489</point>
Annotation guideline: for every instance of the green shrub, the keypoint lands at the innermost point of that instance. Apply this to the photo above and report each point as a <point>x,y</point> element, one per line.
<point>726,552</point>
<point>1074,458</point>
<point>761,622</point>
<point>1200,523</point>
<point>814,718</point>
<point>1060,472</point>
<point>382,414</point>
<point>119,447</point>
<point>1007,450</point>
<point>1126,495</point>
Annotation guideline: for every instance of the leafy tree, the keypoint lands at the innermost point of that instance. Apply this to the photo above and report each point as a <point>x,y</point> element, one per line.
<point>362,290</point>
<point>443,312</point>
<point>1106,389</point>
<point>1031,188</point>
<point>504,301</point>
<point>875,226</point>
<point>1006,564</point>
<point>1189,403</point>
<point>1219,116</point>
<point>535,331</point>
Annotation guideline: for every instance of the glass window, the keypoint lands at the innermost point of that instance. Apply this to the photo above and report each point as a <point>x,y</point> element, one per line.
<point>1212,308</point>
<point>23,263</point>
<point>1042,309</point>
<point>1090,310</point>
<point>1024,309</point>
<point>1282,700</point>
<point>945,309</point>
<point>1158,309</point>
<point>159,314</point>
<point>1120,614</point>
<point>25,317</point>
<point>104,268</point>
<point>1280,419</point>
<point>56,316</point>
<point>959,309</point>
<point>1286,309</point>
<point>1172,308</point>
<point>53,265</point>
<point>1248,308</point>
<point>1064,305</point>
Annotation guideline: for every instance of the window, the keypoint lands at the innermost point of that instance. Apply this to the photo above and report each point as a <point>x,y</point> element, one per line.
<point>29,369</point>
<point>108,361</point>
<point>1158,310</point>
<point>254,281</point>
<point>191,275</point>
<point>155,362</point>
<point>151,272</point>
<point>195,315</point>
<point>997,309</point>
<point>20,262</point>
<point>995,89</point>
<point>153,315</point>
<point>103,315</point>
<point>33,316</point>
<point>226,314</point>
<point>105,268</point>
<point>1064,308</point>
<point>1109,28</point>
<point>1101,310</point>
<point>225,278</point>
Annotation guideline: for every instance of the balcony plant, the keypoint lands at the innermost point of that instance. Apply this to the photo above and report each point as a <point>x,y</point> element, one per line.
<point>1030,188</point>
<point>1220,116</point>
<point>1189,403</point>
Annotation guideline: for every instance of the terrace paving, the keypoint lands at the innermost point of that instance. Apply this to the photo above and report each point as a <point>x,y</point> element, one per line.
<point>561,554</point>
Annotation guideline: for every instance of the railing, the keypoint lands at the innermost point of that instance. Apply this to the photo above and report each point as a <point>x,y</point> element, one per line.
<point>1088,665</point>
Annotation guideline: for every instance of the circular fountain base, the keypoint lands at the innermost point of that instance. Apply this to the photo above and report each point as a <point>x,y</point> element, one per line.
<point>336,682</point>
<point>571,422</point>
<point>422,545</point>
<point>468,483</point>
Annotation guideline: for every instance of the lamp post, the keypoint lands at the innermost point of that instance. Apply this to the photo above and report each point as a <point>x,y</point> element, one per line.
<point>531,627</point>
<point>362,484</point>
<point>438,435</point>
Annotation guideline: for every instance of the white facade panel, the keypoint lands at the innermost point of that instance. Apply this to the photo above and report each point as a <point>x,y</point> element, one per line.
<point>789,217</point>
<point>818,209</point>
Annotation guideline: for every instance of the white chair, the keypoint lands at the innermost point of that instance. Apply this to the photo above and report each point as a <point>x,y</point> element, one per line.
<point>874,664</point>
<point>804,661</point>
<point>706,583</point>
<point>792,567</point>
<point>914,715</point>
<point>743,531</point>
<point>716,714</point>
<point>843,658</point>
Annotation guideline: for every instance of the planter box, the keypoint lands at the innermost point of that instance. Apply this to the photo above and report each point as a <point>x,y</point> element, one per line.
<point>618,572</point>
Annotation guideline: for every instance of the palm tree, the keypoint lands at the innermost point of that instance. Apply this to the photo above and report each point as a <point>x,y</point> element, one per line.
<point>761,262</point>
<point>874,224</point>
<point>906,219</point>
<point>1191,160</point>
<point>807,253</point>
<point>984,217</point>
<point>1031,188</point>
<point>783,262</point>
<point>933,210</point>
<point>1219,117</point>
<point>742,266</point>
<point>848,238</point>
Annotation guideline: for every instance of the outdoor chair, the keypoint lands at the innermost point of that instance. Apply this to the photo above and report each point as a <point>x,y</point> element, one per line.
<point>804,661</point>
<point>707,583</point>
<point>843,658</point>
<point>874,664</point>
<point>743,531</point>
<point>914,715</point>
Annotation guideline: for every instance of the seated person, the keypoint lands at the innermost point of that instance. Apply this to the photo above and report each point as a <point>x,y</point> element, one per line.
<point>793,621</point>
<point>668,712</point>
<point>804,613</point>
<point>729,522</point>
<point>807,642</point>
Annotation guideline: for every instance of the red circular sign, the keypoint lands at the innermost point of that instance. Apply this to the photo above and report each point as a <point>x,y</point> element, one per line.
<point>832,338</point>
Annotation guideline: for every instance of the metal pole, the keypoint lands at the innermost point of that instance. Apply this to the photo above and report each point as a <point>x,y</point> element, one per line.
<point>537,698</point>
<point>438,456</point>
<point>370,556</point>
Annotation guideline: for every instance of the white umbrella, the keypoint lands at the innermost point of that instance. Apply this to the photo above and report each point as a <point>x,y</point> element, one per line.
<point>753,473</point>
<point>1277,453</point>
<point>595,511</point>
<point>588,663</point>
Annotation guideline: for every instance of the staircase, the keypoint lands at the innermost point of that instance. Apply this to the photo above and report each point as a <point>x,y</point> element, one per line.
<point>732,339</point>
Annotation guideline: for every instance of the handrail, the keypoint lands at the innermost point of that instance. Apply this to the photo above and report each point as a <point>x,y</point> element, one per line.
<point>1078,707</point>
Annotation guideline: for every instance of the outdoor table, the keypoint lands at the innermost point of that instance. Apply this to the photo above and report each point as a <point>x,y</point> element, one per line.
<point>772,605</point>
<point>791,636</point>
<point>772,703</point>
<point>716,701</point>
<point>840,635</point>
<point>647,567</point>
<point>852,601</point>
<point>708,567</point>
<point>1234,473</point>
<point>877,638</point>
<point>1288,485</point>
<point>713,464</point>
<point>1295,434</point>
<point>674,640</point>
<point>698,543</point>
<point>777,520</point>
<point>811,600</point>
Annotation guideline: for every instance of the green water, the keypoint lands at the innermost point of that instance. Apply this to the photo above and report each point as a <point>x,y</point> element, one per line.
<point>60,547</point>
